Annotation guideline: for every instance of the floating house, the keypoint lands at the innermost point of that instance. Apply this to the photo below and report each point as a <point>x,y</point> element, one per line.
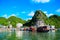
<point>41,26</point>
<point>10,26</point>
<point>18,25</point>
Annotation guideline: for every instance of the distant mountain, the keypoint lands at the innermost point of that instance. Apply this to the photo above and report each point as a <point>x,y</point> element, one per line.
<point>54,20</point>
<point>3,21</point>
<point>13,20</point>
<point>39,15</point>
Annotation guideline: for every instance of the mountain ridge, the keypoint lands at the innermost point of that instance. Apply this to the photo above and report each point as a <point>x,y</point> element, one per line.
<point>39,15</point>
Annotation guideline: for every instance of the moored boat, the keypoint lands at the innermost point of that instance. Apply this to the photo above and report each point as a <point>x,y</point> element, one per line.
<point>42,29</point>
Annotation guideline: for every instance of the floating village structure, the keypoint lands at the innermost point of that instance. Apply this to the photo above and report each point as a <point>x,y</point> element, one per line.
<point>40,24</point>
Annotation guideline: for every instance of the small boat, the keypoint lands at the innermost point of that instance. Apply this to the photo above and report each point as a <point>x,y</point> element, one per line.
<point>32,29</point>
<point>42,29</point>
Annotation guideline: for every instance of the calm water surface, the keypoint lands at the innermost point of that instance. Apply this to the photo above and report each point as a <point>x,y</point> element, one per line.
<point>20,35</point>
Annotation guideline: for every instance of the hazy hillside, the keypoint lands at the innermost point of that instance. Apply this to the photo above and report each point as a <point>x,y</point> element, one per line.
<point>13,20</point>
<point>54,20</point>
<point>3,21</point>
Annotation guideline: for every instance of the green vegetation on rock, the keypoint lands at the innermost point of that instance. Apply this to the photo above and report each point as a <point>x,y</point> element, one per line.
<point>3,21</point>
<point>13,20</point>
<point>54,20</point>
<point>39,15</point>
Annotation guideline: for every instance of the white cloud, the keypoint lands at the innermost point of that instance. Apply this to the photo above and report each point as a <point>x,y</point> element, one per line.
<point>31,13</point>
<point>36,1</point>
<point>13,15</point>
<point>5,15</point>
<point>40,1</point>
<point>58,10</point>
<point>45,11</point>
<point>44,1</point>
<point>28,19</point>
<point>48,15</point>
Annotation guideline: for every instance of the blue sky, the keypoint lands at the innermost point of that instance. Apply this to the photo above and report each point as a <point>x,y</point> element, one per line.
<point>25,8</point>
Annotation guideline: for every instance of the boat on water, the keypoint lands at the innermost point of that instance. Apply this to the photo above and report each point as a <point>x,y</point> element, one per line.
<point>43,29</point>
<point>39,29</point>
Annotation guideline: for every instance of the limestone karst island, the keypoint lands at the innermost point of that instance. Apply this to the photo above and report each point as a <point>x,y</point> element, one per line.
<point>29,19</point>
<point>39,23</point>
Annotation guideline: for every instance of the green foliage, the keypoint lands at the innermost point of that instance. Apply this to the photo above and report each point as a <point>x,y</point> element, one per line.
<point>55,20</point>
<point>13,20</point>
<point>39,15</point>
<point>3,21</point>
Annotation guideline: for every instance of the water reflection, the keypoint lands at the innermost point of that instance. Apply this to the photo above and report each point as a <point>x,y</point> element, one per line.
<point>23,35</point>
<point>3,35</point>
<point>19,34</point>
<point>12,36</point>
<point>38,36</point>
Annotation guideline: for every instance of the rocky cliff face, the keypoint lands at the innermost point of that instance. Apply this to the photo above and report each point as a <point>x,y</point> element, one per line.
<point>38,19</point>
<point>39,15</point>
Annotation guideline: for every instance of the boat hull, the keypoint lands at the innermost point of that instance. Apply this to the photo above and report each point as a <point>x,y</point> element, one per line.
<point>41,29</point>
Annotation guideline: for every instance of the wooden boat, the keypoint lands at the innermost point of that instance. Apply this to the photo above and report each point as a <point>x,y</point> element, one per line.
<point>42,29</point>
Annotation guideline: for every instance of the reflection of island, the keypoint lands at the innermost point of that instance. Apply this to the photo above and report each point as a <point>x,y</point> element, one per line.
<point>38,36</point>
<point>46,36</point>
<point>12,36</point>
<point>19,34</point>
<point>25,35</point>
